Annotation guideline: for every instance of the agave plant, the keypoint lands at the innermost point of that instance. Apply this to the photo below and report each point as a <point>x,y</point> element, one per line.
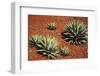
<point>35,40</point>
<point>51,26</point>
<point>64,51</point>
<point>47,46</point>
<point>75,33</point>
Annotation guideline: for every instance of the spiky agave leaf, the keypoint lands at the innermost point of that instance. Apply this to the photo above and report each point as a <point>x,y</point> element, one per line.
<point>35,39</point>
<point>49,54</point>
<point>75,33</point>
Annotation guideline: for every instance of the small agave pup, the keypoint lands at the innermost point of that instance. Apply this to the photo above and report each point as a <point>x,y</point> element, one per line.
<point>64,51</point>
<point>75,33</point>
<point>52,26</point>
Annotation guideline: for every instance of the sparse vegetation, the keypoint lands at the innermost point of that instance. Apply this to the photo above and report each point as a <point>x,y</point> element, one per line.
<point>57,37</point>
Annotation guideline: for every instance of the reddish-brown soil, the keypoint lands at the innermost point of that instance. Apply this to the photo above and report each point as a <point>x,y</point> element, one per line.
<point>38,25</point>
